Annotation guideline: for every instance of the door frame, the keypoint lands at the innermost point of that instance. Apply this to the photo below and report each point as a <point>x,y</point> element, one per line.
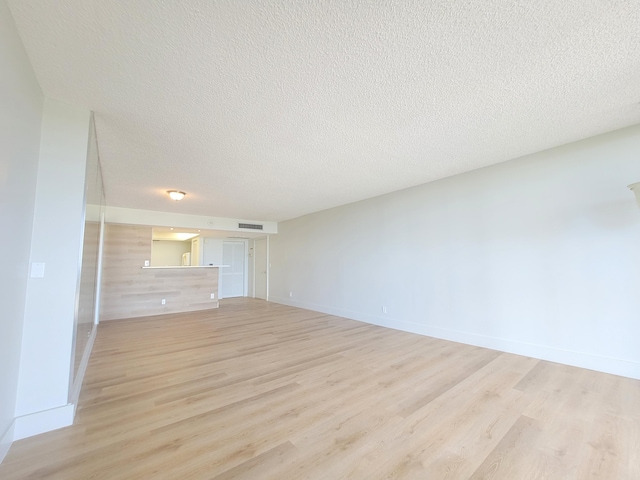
<point>268,266</point>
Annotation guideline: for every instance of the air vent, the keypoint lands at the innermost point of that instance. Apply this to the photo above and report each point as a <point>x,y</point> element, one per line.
<point>250,226</point>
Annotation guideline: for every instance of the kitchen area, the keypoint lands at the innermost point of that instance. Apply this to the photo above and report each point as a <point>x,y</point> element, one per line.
<point>157,270</point>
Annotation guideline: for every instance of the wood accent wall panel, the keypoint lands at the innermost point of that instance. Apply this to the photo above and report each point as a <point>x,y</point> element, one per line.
<point>129,291</point>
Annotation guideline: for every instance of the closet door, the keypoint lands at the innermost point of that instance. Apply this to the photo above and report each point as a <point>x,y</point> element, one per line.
<point>233,282</point>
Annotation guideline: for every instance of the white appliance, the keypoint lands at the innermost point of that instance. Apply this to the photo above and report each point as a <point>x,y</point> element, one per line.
<point>186,259</point>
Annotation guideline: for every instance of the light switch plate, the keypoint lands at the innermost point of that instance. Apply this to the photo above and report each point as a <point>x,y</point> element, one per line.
<point>37,270</point>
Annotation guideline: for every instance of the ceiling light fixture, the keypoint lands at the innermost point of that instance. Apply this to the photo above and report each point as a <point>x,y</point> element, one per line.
<point>176,195</point>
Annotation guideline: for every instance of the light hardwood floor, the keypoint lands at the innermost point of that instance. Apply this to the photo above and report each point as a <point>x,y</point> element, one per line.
<point>256,390</point>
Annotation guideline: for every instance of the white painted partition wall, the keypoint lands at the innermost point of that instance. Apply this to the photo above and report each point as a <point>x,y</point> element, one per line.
<point>538,256</point>
<point>21,103</point>
<point>44,383</point>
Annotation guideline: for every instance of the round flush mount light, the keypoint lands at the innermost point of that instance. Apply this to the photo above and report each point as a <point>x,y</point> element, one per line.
<point>176,195</point>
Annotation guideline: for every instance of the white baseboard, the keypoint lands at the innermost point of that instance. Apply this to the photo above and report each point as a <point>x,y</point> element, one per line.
<point>59,417</point>
<point>82,368</point>
<point>615,366</point>
<point>41,422</point>
<point>6,440</point>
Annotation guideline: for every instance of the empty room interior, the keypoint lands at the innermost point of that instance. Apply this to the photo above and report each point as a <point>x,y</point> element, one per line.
<point>270,239</point>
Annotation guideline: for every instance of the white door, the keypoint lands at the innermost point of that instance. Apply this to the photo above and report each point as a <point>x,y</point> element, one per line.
<point>260,271</point>
<point>195,252</point>
<point>233,254</point>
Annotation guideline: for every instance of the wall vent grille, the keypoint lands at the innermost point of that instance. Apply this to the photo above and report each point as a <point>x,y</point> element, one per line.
<point>250,226</point>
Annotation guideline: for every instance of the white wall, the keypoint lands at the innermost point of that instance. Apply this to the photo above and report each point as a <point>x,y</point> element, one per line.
<point>132,216</point>
<point>45,365</point>
<point>20,120</point>
<point>538,256</point>
<point>168,252</point>
<point>212,251</point>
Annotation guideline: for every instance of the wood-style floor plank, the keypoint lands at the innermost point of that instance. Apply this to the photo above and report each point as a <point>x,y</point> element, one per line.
<point>255,390</point>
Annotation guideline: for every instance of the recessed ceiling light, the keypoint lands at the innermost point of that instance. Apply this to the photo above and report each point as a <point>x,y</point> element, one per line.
<point>176,194</point>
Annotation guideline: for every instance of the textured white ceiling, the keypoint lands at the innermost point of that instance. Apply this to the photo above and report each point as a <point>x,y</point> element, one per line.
<point>271,109</point>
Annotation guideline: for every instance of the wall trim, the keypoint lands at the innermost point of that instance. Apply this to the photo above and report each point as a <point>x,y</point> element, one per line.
<point>6,440</point>
<point>44,421</point>
<point>615,366</point>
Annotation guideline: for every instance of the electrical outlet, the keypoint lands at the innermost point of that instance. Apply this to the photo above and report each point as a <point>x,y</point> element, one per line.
<point>213,295</point>
<point>384,309</point>
<point>146,263</point>
<point>164,301</point>
<point>290,294</point>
